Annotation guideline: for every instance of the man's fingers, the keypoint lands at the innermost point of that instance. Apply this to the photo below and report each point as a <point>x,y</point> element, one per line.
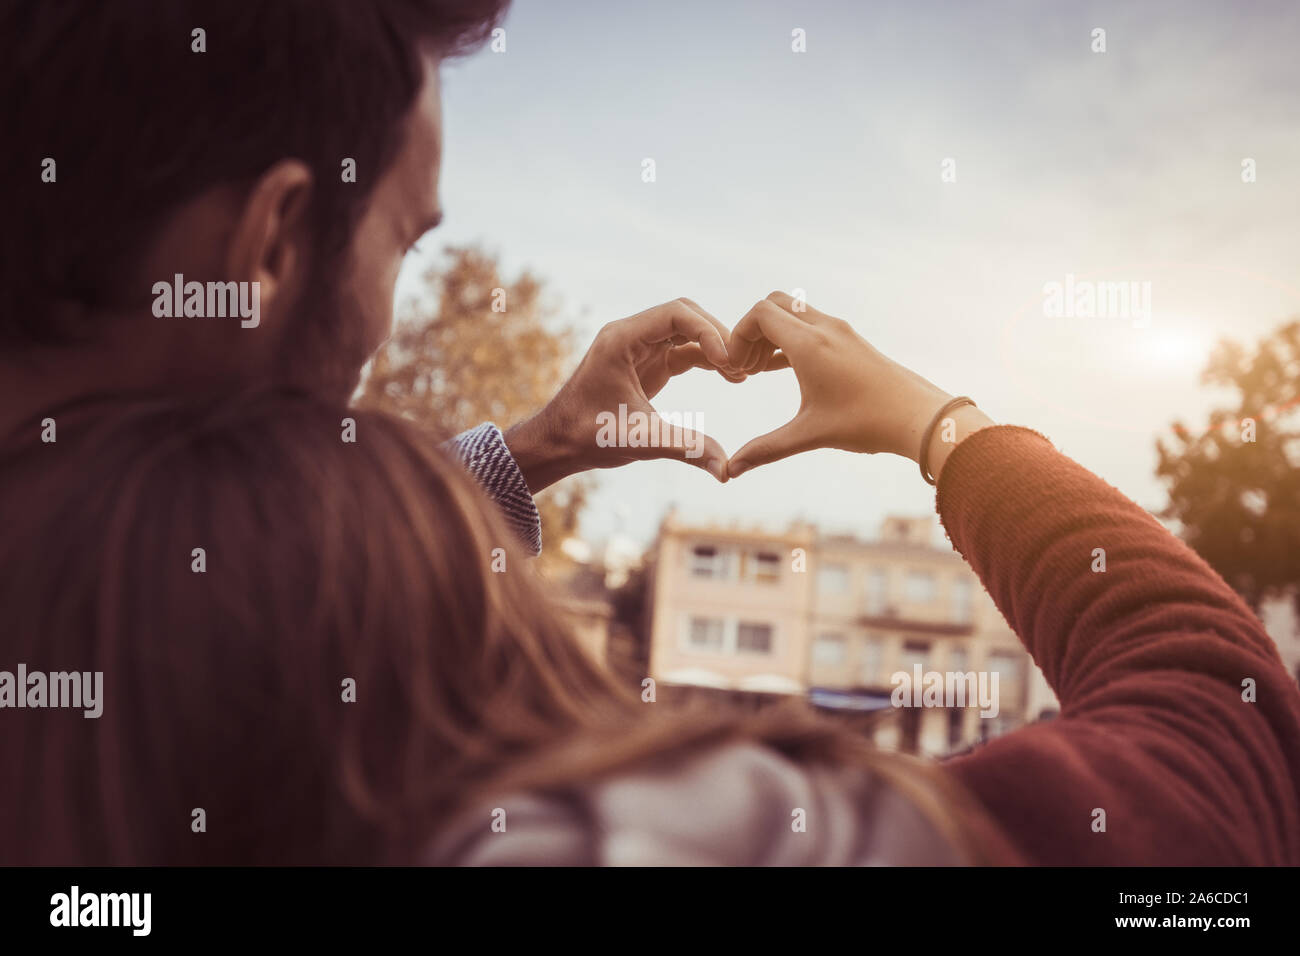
<point>716,322</point>
<point>790,439</point>
<point>681,318</point>
<point>666,440</point>
<point>685,357</point>
<point>692,356</point>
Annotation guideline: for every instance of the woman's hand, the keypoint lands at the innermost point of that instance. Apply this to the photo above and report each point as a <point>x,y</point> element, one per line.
<point>854,397</point>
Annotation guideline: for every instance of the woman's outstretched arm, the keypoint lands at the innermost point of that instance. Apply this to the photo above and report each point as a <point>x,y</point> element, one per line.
<point>1178,720</point>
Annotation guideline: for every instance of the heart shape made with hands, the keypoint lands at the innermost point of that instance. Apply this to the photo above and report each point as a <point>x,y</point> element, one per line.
<point>643,431</point>
<point>852,397</point>
<point>660,344</point>
<point>753,347</point>
<point>766,359</point>
<point>603,414</point>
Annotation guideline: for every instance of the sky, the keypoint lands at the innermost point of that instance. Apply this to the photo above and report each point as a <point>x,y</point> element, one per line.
<point>823,171</point>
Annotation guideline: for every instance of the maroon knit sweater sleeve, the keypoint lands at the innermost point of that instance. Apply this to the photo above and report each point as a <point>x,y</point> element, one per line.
<point>1152,660</point>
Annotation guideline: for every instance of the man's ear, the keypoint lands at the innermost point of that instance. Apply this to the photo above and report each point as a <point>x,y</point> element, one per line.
<point>270,243</point>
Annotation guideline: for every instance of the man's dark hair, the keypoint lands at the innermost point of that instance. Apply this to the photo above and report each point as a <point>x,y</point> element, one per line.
<point>138,123</point>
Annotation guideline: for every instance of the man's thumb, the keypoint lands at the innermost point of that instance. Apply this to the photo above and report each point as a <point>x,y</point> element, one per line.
<point>693,447</point>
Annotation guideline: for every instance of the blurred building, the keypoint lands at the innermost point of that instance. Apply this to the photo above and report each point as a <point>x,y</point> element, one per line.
<point>835,618</point>
<point>589,617</point>
<point>590,584</point>
<point>577,585</point>
<point>1283,625</point>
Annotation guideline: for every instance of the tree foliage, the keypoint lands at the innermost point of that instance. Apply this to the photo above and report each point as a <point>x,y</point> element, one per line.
<point>1235,488</point>
<point>470,347</point>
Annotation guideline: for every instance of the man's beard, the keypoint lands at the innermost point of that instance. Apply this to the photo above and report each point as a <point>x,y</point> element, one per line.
<point>326,346</point>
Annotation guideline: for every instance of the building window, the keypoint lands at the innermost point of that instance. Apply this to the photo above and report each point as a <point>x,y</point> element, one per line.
<point>914,653</point>
<point>920,587</point>
<point>956,718</point>
<point>765,566</point>
<point>1007,664</point>
<point>708,561</point>
<point>833,578</point>
<point>877,591</point>
<point>961,601</point>
<point>754,638</point>
<point>873,654</point>
<point>909,729</point>
<point>706,634</point>
<point>958,660</point>
<point>829,649</point>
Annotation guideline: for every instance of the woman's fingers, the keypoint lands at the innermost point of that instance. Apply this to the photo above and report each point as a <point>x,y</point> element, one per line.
<point>763,329</point>
<point>682,358</point>
<point>793,437</point>
<point>779,360</point>
<point>797,307</point>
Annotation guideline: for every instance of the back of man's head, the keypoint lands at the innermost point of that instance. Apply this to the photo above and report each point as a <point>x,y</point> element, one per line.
<point>126,110</point>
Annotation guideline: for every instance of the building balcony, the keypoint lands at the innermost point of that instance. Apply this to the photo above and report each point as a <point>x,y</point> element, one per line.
<point>890,619</point>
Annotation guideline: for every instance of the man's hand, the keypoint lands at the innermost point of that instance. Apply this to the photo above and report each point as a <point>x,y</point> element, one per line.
<point>627,364</point>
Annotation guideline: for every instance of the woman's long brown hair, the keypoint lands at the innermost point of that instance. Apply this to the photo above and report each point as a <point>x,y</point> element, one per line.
<point>324,562</point>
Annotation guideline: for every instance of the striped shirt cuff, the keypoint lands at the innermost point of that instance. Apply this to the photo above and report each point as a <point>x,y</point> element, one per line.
<point>483,453</point>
